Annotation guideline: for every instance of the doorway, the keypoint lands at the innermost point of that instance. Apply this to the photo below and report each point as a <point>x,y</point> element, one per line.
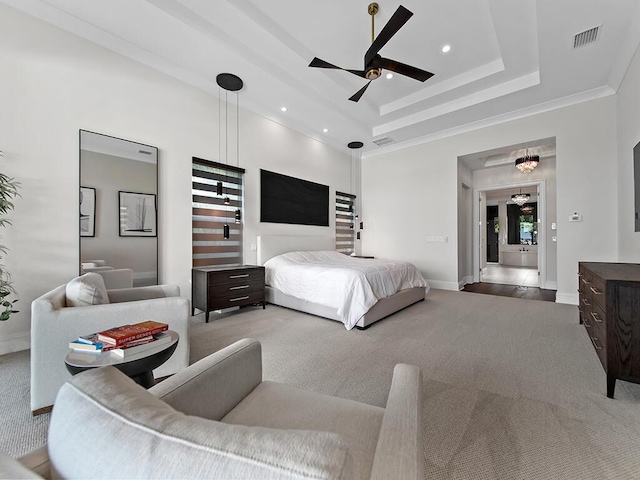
<point>509,239</point>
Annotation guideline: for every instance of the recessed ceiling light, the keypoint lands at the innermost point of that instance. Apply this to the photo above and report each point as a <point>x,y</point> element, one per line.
<point>325,130</point>
<point>389,76</point>
<point>446,48</point>
<point>283,109</point>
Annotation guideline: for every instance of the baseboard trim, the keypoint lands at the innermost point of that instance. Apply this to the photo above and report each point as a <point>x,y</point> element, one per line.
<point>551,285</point>
<point>465,281</point>
<point>568,298</point>
<point>440,285</point>
<point>15,343</point>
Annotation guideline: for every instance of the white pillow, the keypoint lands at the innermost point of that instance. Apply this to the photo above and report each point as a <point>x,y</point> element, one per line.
<point>87,289</point>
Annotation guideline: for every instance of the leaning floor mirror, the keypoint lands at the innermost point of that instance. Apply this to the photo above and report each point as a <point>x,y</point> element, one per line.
<point>118,210</point>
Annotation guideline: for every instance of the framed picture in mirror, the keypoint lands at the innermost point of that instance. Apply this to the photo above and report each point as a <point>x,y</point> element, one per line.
<point>138,216</point>
<point>87,212</point>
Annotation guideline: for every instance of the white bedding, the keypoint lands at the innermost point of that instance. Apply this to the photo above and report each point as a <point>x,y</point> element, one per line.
<point>350,285</point>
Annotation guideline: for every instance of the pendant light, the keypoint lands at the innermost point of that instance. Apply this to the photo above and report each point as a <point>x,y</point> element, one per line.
<point>527,163</point>
<point>230,83</point>
<point>520,198</point>
<point>527,209</point>
<point>357,159</point>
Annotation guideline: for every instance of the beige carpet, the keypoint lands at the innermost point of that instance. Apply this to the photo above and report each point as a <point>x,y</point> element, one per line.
<point>512,388</point>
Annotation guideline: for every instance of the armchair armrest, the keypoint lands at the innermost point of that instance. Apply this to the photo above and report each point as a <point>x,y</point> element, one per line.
<point>37,461</point>
<point>400,445</point>
<point>213,386</point>
<point>143,293</point>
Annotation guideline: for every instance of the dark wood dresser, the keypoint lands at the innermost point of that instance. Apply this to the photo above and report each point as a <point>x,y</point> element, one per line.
<point>610,311</point>
<point>214,288</point>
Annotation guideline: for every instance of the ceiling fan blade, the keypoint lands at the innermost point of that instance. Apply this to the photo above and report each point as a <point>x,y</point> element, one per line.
<point>395,23</point>
<point>403,69</point>
<point>356,96</point>
<point>318,63</point>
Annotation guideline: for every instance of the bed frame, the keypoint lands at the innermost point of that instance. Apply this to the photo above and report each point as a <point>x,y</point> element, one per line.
<point>271,245</point>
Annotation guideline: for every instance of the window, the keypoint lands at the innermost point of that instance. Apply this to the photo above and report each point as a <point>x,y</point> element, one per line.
<point>345,223</point>
<point>210,214</point>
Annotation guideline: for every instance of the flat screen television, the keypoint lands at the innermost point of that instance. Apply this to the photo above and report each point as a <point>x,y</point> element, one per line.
<point>285,199</point>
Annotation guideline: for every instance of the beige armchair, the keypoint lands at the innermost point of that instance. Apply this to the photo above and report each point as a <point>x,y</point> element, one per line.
<point>217,419</point>
<point>54,323</point>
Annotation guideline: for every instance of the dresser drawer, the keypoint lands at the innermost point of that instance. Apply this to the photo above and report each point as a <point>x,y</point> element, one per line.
<point>597,291</point>
<point>599,341</point>
<point>597,315</point>
<point>237,299</point>
<point>238,287</point>
<point>236,276</point>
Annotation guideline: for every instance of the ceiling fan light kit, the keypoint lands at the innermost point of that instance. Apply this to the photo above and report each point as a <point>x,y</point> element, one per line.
<point>373,62</point>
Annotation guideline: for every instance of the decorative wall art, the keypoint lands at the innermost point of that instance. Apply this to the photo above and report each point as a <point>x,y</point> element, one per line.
<point>138,215</point>
<point>87,212</point>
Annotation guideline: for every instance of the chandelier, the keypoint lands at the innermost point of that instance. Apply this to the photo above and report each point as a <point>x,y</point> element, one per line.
<point>527,163</point>
<point>527,209</point>
<point>520,198</point>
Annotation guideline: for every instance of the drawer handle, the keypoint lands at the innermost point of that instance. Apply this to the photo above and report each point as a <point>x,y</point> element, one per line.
<point>579,274</point>
<point>595,317</point>
<point>595,291</point>
<point>239,288</point>
<point>584,300</point>
<point>238,299</point>
<point>588,325</point>
<point>595,344</point>
<point>585,281</point>
<point>239,276</point>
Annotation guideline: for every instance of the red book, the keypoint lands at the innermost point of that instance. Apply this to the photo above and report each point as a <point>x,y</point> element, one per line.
<point>126,333</point>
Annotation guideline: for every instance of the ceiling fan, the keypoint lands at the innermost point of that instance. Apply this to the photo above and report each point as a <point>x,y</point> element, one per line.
<point>373,62</point>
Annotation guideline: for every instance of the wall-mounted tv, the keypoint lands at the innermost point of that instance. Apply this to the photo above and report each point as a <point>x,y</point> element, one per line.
<point>285,199</point>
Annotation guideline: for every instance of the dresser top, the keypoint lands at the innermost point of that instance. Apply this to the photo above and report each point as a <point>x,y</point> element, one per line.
<point>615,271</point>
<point>214,268</point>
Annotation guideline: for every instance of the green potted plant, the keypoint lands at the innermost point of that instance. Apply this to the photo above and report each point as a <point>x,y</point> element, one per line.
<point>8,192</point>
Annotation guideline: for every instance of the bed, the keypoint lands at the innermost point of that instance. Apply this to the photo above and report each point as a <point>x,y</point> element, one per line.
<point>280,254</point>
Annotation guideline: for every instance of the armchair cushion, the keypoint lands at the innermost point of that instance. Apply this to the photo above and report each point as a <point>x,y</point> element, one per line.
<point>103,420</point>
<point>87,289</point>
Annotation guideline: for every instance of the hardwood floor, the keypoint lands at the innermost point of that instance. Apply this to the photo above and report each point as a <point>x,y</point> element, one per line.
<point>515,291</point>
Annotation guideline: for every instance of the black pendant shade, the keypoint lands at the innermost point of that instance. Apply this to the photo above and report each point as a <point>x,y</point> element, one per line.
<point>219,188</point>
<point>225,230</point>
<point>238,216</point>
<point>227,201</point>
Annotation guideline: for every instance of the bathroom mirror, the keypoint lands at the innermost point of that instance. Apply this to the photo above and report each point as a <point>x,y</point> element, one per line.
<point>118,210</point>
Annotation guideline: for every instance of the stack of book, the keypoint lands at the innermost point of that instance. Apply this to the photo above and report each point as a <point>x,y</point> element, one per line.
<point>125,340</point>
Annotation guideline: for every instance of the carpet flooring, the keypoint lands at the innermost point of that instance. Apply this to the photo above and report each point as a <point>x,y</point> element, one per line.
<point>512,388</point>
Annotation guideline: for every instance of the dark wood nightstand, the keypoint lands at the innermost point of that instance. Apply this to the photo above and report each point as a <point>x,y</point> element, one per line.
<point>214,288</point>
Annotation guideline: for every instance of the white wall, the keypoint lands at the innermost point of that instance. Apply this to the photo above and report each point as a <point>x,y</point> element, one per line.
<point>53,84</point>
<point>465,225</point>
<point>586,182</point>
<point>628,125</point>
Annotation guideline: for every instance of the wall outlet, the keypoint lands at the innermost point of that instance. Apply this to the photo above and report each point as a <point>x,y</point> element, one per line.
<point>575,217</point>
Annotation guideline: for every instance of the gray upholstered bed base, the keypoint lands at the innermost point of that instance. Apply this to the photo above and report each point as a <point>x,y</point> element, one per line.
<point>383,308</point>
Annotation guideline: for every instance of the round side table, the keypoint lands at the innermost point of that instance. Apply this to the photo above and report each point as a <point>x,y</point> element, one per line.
<point>139,366</point>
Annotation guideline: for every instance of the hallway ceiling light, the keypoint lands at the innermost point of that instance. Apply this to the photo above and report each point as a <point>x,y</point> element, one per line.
<point>527,163</point>
<point>520,198</point>
<point>527,209</point>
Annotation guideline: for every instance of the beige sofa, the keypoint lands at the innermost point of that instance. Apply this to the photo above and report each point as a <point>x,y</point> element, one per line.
<point>218,420</point>
<point>54,324</point>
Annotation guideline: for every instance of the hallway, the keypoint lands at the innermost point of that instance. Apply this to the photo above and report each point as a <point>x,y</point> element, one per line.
<point>506,275</point>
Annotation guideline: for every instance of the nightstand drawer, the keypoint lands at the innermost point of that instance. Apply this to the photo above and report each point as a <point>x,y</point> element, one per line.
<point>238,299</point>
<point>222,289</point>
<point>236,276</point>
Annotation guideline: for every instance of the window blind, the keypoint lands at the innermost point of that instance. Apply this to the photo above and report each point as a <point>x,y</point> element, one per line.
<point>345,222</point>
<point>210,214</point>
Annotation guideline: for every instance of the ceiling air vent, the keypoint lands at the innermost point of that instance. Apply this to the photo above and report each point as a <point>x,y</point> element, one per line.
<point>381,142</point>
<point>587,37</point>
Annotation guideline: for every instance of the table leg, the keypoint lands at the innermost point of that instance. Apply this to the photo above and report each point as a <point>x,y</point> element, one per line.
<point>145,380</point>
<point>611,385</point>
